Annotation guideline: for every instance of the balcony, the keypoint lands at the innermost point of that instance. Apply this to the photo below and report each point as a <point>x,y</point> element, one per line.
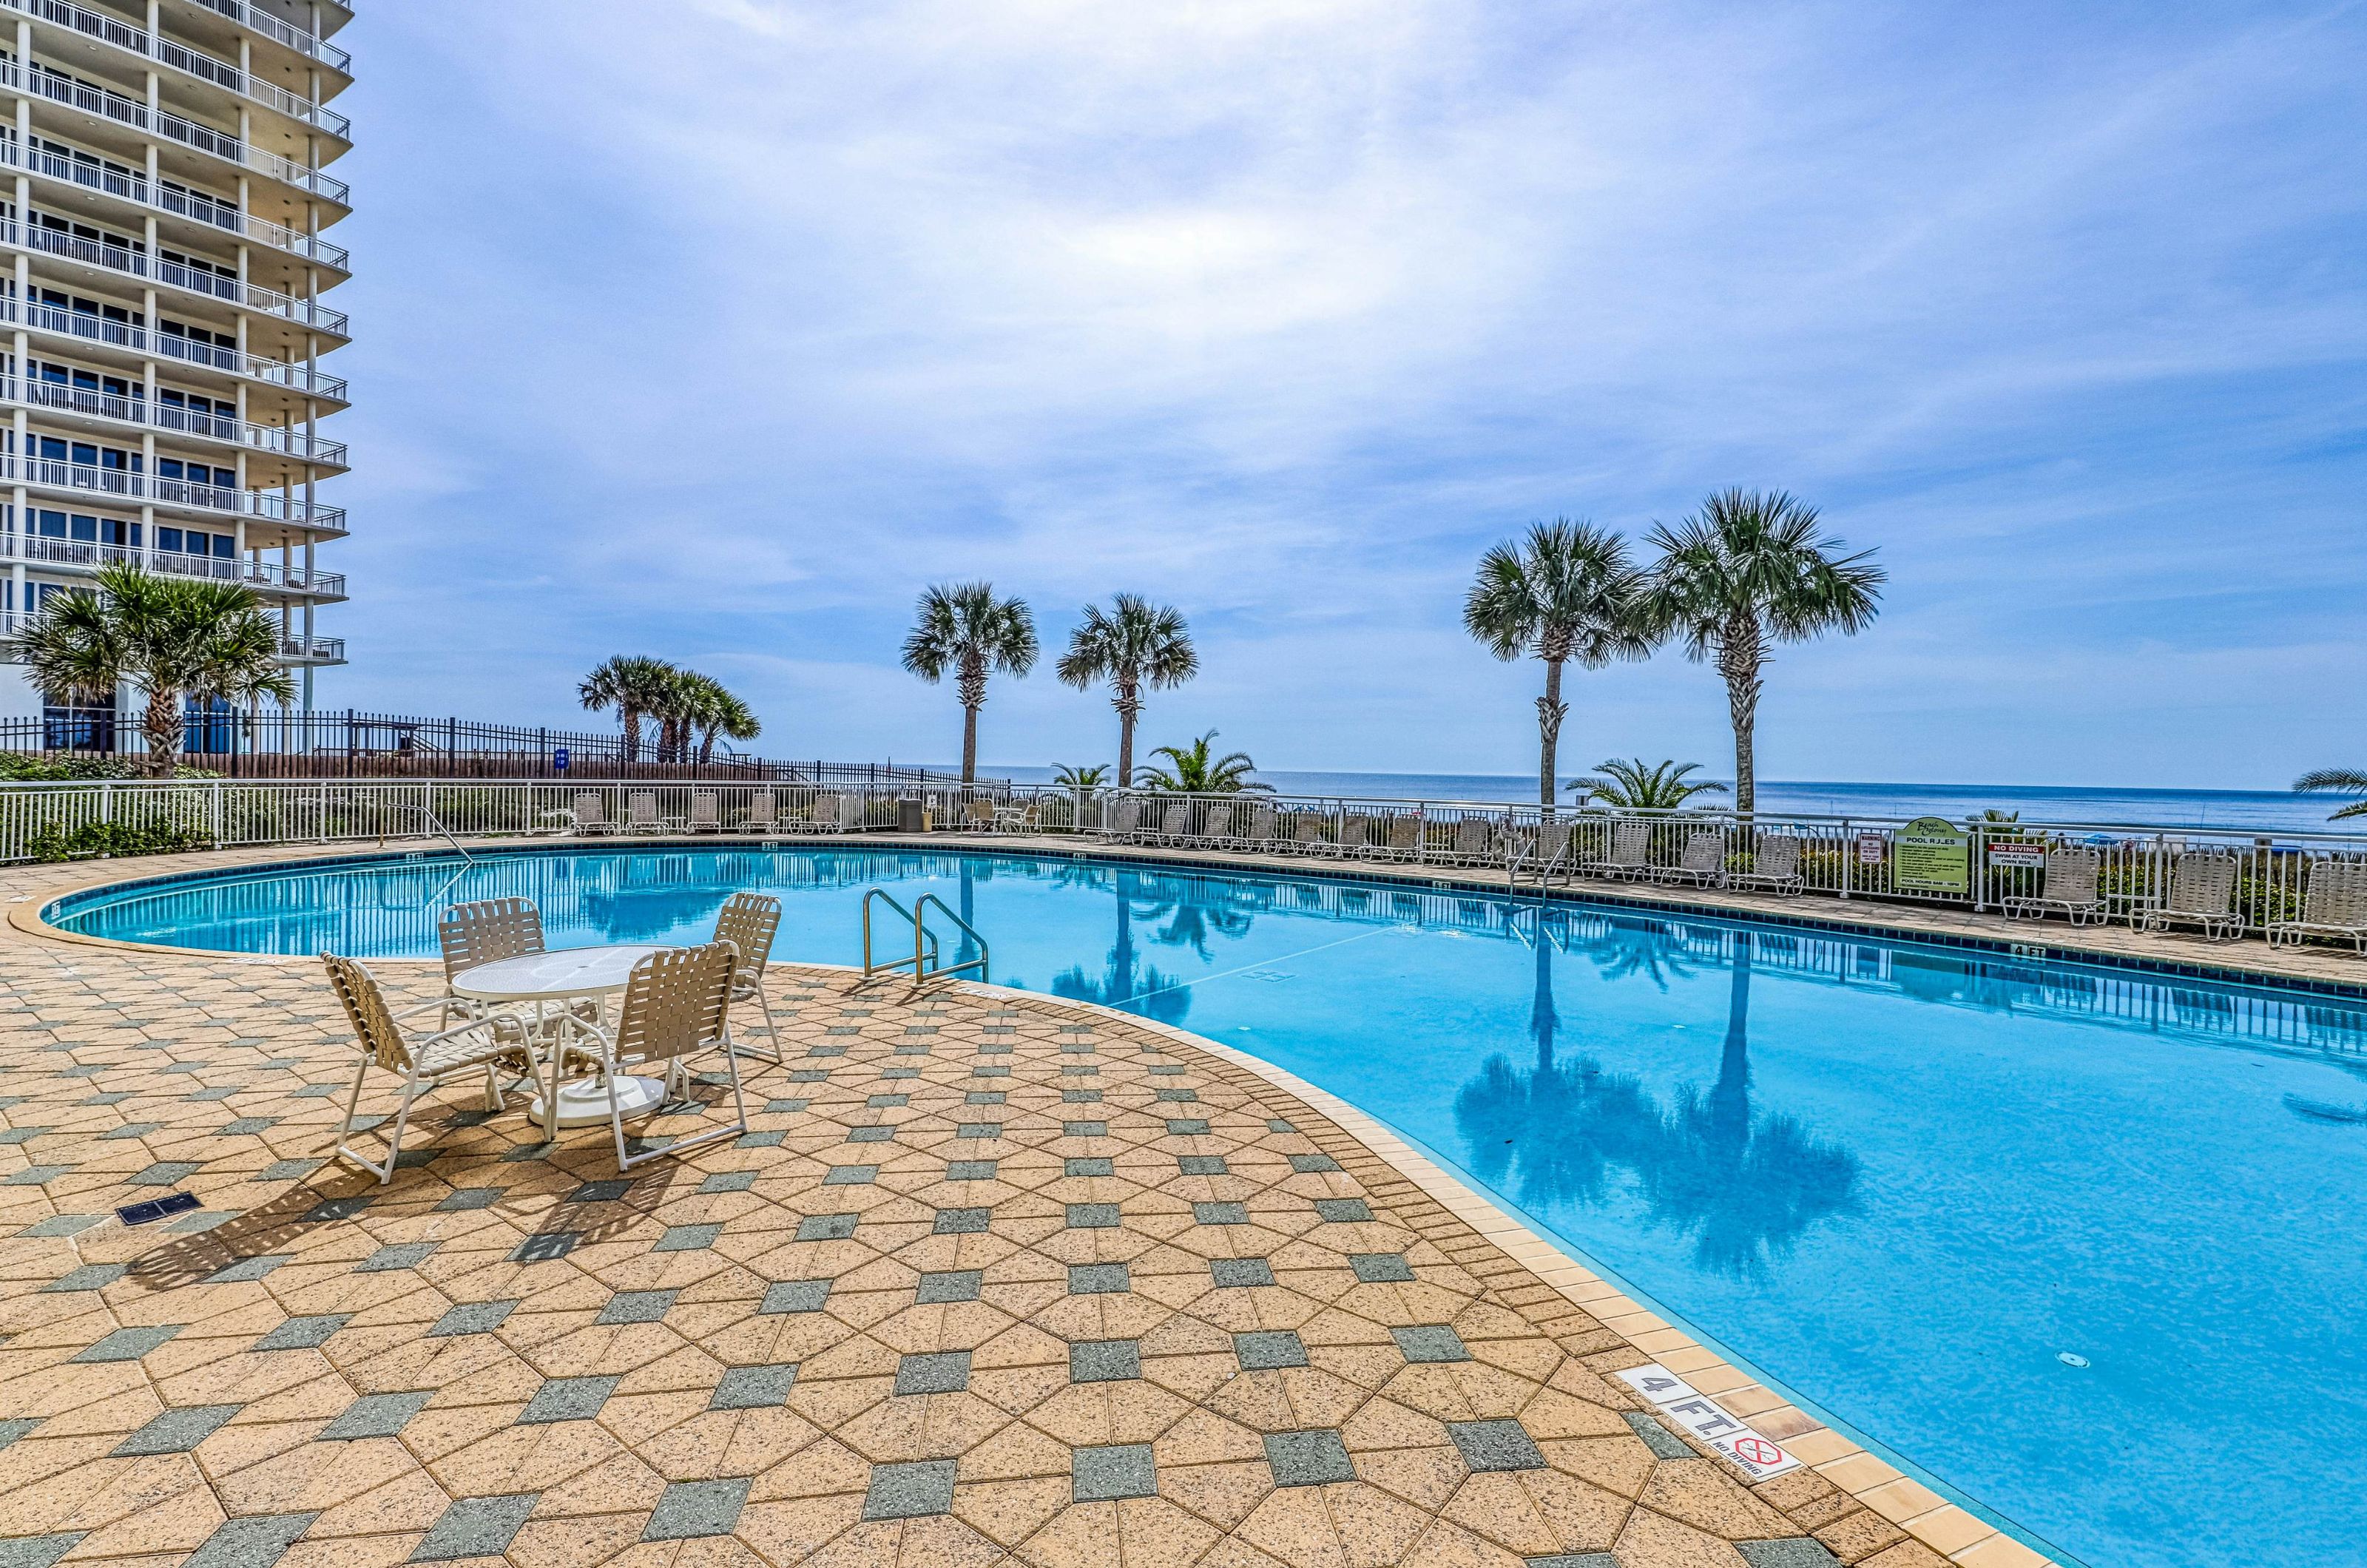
<point>254,297</point>
<point>279,440</point>
<point>204,139</point>
<point>196,208</point>
<point>299,378</point>
<point>312,650</point>
<point>130,489</point>
<point>205,67</point>
<point>256,19</point>
<point>80,555</point>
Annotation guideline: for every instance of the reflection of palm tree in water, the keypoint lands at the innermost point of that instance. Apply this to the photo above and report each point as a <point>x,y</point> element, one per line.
<point>1745,1187</point>
<point>1128,984</point>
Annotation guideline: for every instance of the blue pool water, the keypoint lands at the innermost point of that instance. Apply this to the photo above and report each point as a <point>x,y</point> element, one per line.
<point>1898,1180</point>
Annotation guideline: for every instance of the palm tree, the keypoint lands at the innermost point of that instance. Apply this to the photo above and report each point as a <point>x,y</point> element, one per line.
<point>1745,572</point>
<point>1135,644</point>
<point>1566,592</point>
<point>965,628</point>
<point>2337,781</point>
<point>1631,785</point>
<point>172,637</point>
<point>1198,772</point>
<point>633,685</point>
<point>1081,777</point>
<point>708,710</point>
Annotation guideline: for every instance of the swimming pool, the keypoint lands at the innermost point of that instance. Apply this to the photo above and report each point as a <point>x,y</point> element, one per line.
<point>1901,1179</point>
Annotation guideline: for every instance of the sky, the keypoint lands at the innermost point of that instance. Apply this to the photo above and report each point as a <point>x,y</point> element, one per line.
<point>717,329</point>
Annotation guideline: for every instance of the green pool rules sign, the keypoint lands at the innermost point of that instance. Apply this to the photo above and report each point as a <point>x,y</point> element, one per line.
<point>1933,855</point>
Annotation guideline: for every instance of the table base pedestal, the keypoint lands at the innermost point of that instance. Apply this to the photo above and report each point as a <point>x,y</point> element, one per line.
<point>582,1101</point>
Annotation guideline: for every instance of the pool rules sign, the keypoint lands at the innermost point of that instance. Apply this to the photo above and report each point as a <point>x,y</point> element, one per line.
<point>1701,1415</point>
<point>1932,854</point>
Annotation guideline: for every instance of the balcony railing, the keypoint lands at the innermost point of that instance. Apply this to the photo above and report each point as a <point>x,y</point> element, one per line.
<point>129,487</point>
<point>192,205</point>
<point>264,574</point>
<point>220,73</point>
<point>204,139</point>
<point>314,650</point>
<point>174,275</point>
<point>279,31</point>
<point>284,441</point>
<point>300,378</point>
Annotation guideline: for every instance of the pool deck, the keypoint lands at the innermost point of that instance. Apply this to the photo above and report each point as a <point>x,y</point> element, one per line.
<point>803,1347</point>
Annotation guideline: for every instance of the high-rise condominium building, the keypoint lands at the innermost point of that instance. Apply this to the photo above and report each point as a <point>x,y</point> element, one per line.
<point>164,164</point>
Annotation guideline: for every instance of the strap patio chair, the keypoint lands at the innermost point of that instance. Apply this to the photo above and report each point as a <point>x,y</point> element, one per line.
<point>764,813</point>
<point>642,813</point>
<point>749,921</point>
<point>2334,905</point>
<point>677,1005</point>
<point>2202,894</point>
<point>2072,881</point>
<point>1176,826</point>
<point>1475,842</point>
<point>591,815</point>
<point>1263,830</point>
<point>471,1048</point>
<point>706,814</point>
<point>1308,839</point>
<point>1631,854</point>
<point>1217,831</point>
<point>487,931</point>
<point>1775,865</point>
<point>1404,840</point>
<point>1703,864</point>
<point>1122,824</point>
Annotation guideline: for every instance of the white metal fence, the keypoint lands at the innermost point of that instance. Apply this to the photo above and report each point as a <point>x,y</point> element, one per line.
<point>2271,879</point>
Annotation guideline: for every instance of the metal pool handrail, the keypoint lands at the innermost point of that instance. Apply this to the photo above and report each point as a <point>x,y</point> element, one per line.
<point>920,933</point>
<point>921,909</point>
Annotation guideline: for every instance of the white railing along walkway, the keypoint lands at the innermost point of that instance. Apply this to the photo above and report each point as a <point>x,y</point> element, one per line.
<point>285,440</point>
<point>50,474</point>
<point>81,324</point>
<point>262,21</point>
<point>195,206</point>
<point>172,274</point>
<point>222,74</point>
<point>264,574</point>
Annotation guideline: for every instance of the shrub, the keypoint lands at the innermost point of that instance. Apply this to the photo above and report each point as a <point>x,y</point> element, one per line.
<point>94,839</point>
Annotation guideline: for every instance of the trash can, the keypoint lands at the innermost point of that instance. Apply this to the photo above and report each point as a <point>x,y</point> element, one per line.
<point>911,817</point>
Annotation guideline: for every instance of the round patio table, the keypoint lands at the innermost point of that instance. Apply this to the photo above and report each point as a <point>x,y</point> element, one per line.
<point>562,975</point>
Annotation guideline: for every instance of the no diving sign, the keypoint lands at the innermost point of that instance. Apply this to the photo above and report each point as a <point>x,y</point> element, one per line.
<point>1701,1415</point>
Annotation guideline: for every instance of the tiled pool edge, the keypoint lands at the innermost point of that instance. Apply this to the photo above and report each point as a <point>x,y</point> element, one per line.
<point>1952,1531</point>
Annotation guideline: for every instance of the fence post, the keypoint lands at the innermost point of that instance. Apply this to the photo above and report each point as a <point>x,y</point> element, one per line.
<point>106,802</point>
<point>218,815</point>
<point>1980,868</point>
<point>321,816</point>
<point>1848,856</point>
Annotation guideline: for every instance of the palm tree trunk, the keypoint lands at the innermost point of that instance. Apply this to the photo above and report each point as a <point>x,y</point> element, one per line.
<point>970,744</point>
<point>1129,707</point>
<point>160,724</point>
<point>1739,655</point>
<point>1550,710</point>
<point>707,746</point>
<point>632,734</point>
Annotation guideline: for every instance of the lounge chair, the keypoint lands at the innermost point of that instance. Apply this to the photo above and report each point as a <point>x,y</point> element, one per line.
<point>1702,865</point>
<point>852,810</point>
<point>2072,883</point>
<point>1355,841</point>
<point>1403,840</point>
<point>1261,833</point>
<point>1215,830</point>
<point>2201,893</point>
<point>1631,854</point>
<point>473,1046</point>
<point>1120,826</point>
<point>1308,839</point>
<point>1475,842</point>
<point>1176,826</point>
<point>2334,905</point>
<point>677,1005</point>
<point>1549,846</point>
<point>749,921</point>
<point>591,815</point>
<point>1775,865</point>
<point>763,815</point>
<point>706,814</point>
<point>641,814</point>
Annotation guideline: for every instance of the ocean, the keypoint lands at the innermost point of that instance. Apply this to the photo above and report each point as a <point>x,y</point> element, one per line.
<point>2277,810</point>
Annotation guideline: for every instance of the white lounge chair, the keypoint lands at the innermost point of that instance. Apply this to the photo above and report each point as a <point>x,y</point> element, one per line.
<point>1403,840</point>
<point>474,1047</point>
<point>591,815</point>
<point>1775,865</point>
<point>1702,865</point>
<point>1215,830</point>
<point>2335,904</point>
<point>1631,854</point>
<point>2072,881</point>
<point>641,814</point>
<point>1121,825</point>
<point>2201,893</point>
<point>706,814</point>
<point>1261,833</point>
<point>1355,841</point>
<point>1475,842</point>
<point>1308,839</point>
<point>852,809</point>
<point>763,815</point>
<point>1176,824</point>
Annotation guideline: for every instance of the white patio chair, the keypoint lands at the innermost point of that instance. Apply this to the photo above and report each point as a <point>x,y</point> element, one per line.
<point>852,809</point>
<point>591,815</point>
<point>1215,830</point>
<point>1702,865</point>
<point>1630,859</point>
<point>1263,833</point>
<point>1308,839</point>
<point>706,814</point>
<point>1475,842</point>
<point>1176,826</point>
<point>2335,904</point>
<point>2072,881</point>
<point>763,815</point>
<point>677,1005</point>
<point>1013,818</point>
<point>1775,865</point>
<point>748,923</point>
<point>642,813</point>
<point>472,1046</point>
<point>2201,893</point>
<point>1551,846</point>
<point>1355,840</point>
<point>1404,841</point>
<point>1121,825</point>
